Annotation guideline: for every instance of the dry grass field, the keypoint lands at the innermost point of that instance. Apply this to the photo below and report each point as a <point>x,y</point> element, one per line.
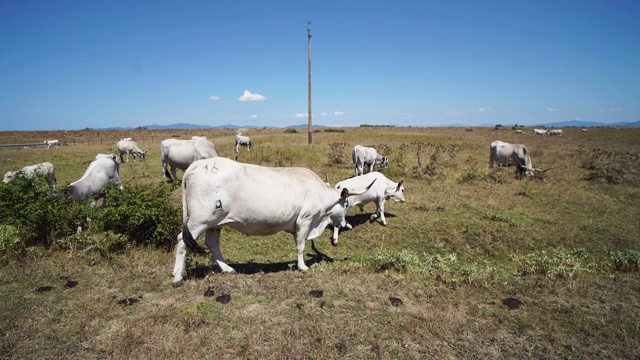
<point>475,264</point>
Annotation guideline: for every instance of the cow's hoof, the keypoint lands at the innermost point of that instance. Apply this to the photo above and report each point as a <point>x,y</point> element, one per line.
<point>334,242</point>
<point>177,284</point>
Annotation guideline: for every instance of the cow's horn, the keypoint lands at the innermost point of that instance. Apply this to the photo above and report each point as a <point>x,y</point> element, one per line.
<point>360,192</point>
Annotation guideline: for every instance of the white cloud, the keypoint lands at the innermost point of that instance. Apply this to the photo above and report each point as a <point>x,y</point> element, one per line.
<point>248,96</point>
<point>484,109</point>
<point>254,116</point>
<point>301,115</point>
<point>338,113</point>
<point>324,113</point>
<point>616,109</point>
<point>214,98</point>
<point>552,109</point>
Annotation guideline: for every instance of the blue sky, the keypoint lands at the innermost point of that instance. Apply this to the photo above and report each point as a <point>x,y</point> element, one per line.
<point>95,64</point>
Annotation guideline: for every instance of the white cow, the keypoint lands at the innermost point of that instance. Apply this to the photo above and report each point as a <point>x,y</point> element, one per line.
<point>242,141</point>
<point>512,155</point>
<point>254,200</point>
<point>44,170</point>
<point>181,153</point>
<point>382,190</point>
<point>539,131</point>
<point>128,146</point>
<point>585,130</point>
<point>367,156</point>
<point>52,143</point>
<point>519,131</point>
<point>554,132</point>
<point>104,169</point>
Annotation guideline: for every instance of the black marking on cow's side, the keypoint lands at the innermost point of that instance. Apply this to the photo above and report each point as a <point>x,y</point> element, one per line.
<point>43,289</point>
<point>512,303</point>
<point>214,169</point>
<point>395,301</point>
<point>316,293</point>
<point>224,298</point>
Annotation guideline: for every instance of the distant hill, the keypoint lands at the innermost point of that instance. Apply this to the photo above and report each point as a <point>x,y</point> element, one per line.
<point>572,123</point>
<point>196,126</point>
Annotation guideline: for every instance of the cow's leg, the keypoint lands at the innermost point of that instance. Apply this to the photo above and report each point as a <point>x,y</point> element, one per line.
<point>300,238</point>
<point>181,251</point>
<point>178,268</point>
<point>212,240</point>
<point>380,212</point>
<point>334,237</point>
<point>173,172</point>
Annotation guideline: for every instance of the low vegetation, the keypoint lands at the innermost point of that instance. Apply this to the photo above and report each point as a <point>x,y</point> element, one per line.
<point>475,264</point>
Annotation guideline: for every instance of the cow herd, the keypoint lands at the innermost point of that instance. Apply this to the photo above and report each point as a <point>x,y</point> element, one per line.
<point>259,200</point>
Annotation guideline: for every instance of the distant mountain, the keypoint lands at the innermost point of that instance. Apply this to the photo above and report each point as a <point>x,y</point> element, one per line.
<point>574,123</point>
<point>580,123</point>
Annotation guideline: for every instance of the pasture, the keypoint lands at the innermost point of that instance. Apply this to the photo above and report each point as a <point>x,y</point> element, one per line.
<point>475,264</point>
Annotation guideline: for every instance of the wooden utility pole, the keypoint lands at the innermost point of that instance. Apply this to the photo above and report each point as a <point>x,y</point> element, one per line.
<point>310,116</point>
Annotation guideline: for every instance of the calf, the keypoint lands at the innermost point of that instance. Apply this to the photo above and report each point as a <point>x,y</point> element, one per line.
<point>128,146</point>
<point>101,171</point>
<point>44,170</point>
<point>383,190</point>
<point>367,156</point>
<point>242,141</point>
<point>52,143</point>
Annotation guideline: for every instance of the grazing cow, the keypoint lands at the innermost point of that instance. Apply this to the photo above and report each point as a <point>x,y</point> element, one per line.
<point>512,155</point>
<point>585,130</point>
<point>519,132</point>
<point>242,141</point>
<point>539,131</point>
<point>104,169</point>
<point>44,170</point>
<point>554,132</point>
<point>254,200</point>
<point>383,190</point>
<point>181,153</point>
<point>52,143</point>
<point>367,156</point>
<point>128,146</point>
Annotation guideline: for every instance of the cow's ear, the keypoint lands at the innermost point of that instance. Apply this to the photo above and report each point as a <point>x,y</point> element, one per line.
<point>399,184</point>
<point>344,194</point>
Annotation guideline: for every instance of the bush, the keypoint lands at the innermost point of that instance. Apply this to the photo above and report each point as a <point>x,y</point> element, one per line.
<point>338,153</point>
<point>557,264</point>
<point>143,213</point>
<point>40,213</point>
<point>11,244</point>
<point>624,260</point>
<point>291,131</point>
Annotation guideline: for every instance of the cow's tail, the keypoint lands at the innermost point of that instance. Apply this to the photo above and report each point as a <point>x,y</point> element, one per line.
<point>187,237</point>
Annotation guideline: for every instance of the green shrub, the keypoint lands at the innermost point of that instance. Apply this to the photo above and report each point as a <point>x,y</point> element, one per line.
<point>557,264</point>
<point>628,260</point>
<point>291,131</point>
<point>330,130</point>
<point>104,243</point>
<point>11,243</point>
<point>442,267</point>
<point>143,213</point>
<point>471,170</point>
<point>38,212</point>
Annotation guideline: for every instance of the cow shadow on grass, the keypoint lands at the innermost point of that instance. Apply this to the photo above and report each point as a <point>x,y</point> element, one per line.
<point>363,218</point>
<point>249,268</point>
